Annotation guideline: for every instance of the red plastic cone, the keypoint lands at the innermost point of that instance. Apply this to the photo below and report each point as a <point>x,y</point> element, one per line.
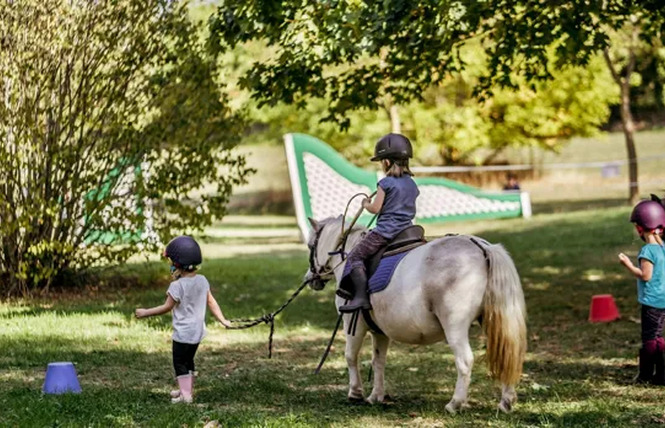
<point>603,308</point>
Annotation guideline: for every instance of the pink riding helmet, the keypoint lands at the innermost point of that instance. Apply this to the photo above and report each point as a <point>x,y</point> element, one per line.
<point>649,215</point>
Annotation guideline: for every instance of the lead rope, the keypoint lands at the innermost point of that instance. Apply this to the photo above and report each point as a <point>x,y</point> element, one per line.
<point>267,318</point>
<point>270,318</point>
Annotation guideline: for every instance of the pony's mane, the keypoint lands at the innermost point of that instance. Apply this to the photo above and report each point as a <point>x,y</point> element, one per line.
<point>336,224</point>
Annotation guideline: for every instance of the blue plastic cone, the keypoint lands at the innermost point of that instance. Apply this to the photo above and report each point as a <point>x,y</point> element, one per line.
<point>61,378</point>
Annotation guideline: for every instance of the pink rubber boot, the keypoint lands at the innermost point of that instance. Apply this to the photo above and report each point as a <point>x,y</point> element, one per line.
<point>175,393</point>
<point>186,383</point>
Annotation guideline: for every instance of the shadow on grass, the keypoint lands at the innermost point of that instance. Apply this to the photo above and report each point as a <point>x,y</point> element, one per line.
<point>238,385</point>
<point>577,373</point>
<point>235,386</point>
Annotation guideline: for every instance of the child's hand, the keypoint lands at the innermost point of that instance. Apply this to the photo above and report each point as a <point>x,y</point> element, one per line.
<point>366,202</point>
<point>625,260</point>
<point>140,313</point>
<point>226,323</point>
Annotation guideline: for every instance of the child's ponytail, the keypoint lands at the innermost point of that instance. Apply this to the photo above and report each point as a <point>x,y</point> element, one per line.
<point>397,167</point>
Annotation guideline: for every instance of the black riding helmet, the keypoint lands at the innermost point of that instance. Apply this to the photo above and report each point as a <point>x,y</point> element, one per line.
<point>392,146</point>
<point>184,252</point>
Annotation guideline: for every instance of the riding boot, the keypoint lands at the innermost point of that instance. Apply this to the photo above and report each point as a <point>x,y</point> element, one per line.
<point>646,366</point>
<point>345,289</point>
<point>659,361</point>
<point>360,297</point>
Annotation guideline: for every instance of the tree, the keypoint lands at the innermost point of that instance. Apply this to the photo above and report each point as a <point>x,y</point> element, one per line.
<point>111,123</point>
<point>582,28</point>
<point>396,50</point>
<point>450,127</point>
<point>356,55</point>
<point>622,61</point>
<point>575,102</point>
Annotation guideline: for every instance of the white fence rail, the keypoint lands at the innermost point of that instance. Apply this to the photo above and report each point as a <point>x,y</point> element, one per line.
<point>523,167</point>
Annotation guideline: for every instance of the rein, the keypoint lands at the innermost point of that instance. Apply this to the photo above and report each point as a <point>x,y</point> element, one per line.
<point>345,234</point>
<point>318,271</point>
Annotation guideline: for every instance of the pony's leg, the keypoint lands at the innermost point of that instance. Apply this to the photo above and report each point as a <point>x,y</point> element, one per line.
<point>508,398</point>
<point>380,344</point>
<point>353,345</point>
<point>458,339</point>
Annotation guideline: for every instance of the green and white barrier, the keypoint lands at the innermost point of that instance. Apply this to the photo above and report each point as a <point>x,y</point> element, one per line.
<point>323,181</point>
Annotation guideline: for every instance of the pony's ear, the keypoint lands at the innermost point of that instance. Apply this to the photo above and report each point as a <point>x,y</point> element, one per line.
<point>314,223</point>
<point>656,198</point>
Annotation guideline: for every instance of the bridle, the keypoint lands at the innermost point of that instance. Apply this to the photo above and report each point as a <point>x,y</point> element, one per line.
<point>317,271</point>
<point>324,273</point>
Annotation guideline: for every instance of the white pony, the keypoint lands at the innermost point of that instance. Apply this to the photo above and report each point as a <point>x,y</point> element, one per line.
<point>435,293</point>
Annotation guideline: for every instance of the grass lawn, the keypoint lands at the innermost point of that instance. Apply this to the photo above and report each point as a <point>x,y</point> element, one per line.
<point>576,373</point>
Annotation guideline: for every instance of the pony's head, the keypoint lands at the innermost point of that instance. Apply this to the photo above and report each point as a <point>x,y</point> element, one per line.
<point>322,242</point>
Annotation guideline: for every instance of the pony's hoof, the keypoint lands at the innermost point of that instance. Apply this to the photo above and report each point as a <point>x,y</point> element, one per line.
<point>454,406</point>
<point>355,400</point>
<point>374,399</point>
<point>506,406</point>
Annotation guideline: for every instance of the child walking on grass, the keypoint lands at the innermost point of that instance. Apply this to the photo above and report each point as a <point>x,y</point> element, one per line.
<point>187,298</point>
<point>649,220</point>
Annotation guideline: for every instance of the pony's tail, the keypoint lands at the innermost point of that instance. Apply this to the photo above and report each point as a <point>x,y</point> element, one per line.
<point>504,318</point>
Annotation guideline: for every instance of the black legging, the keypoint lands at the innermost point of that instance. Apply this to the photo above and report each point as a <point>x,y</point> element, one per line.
<point>652,323</point>
<point>183,357</point>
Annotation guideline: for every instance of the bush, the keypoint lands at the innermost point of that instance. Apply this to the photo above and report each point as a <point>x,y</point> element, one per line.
<point>111,125</point>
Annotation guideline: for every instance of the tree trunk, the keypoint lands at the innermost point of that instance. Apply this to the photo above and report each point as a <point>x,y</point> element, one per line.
<point>628,126</point>
<point>627,122</point>
<point>394,120</point>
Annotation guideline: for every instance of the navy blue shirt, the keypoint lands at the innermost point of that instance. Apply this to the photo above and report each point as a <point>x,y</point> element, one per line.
<point>399,206</point>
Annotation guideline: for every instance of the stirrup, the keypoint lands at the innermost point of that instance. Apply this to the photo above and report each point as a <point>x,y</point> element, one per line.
<point>344,294</point>
<point>352,307</point>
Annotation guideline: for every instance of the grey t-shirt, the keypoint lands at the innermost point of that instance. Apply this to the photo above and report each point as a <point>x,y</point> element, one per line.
<point>191,296</point>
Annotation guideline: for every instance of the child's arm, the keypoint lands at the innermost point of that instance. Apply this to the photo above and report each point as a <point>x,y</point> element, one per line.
<point>375,207</point>
<point>216,310</point>
<point>644,272</point>
<point>157,310</point>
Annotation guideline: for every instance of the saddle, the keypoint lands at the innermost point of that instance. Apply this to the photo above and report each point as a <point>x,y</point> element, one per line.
<point>407,239</point>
